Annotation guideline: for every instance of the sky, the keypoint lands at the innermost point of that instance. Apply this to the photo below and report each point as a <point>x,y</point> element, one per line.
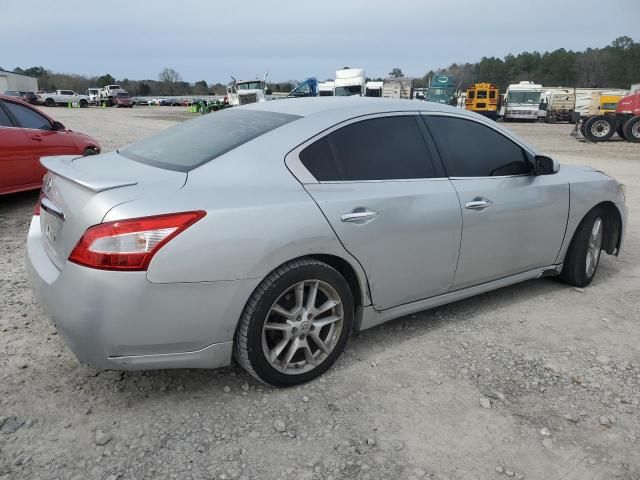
<point>212,39</point>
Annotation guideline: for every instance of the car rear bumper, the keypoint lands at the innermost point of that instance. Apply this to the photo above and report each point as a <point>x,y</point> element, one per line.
<point>120,320</point>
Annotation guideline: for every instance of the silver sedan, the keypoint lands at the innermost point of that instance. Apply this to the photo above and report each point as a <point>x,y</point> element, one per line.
<point>270,232</point>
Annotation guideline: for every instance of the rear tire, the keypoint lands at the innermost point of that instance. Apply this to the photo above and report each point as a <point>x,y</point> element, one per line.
<point>620,131</point>
<point>631,129</point>
<point>583,257</point>
<point>598,128</point>
<point>50,102</point>
<point>288,334</point>
<point>83,103</point>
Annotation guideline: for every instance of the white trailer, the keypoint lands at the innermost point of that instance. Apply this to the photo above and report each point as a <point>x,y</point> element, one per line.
<point>17,82</point>
<point>325,89</point>
<point>587,97</point>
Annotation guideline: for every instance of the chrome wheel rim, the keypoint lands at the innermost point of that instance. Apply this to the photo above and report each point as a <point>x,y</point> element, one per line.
<point>303,327</point>
<point>593,248</point>
<point>600,128</point>
<point>635,130</point>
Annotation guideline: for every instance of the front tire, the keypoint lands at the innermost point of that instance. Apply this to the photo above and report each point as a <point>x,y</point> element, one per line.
<point>631,129</point>
<point>83,103</point>
<point>296,323</point>
<point>599,128</point>
<point>583,257</point>
<point>50,102</point>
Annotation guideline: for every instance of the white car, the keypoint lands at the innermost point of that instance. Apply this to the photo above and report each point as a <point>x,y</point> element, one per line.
<point>63,97</point>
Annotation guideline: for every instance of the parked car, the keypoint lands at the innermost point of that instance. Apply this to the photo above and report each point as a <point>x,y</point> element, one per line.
<point>122,99</point>
<point>26,135</point>
<point>29,97</point>
<point>273,230</point>
<point>141,101</point>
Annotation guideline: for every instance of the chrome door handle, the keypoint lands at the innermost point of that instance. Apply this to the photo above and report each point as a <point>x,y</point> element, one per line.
<point>478,204</point>
<point>360,216</point>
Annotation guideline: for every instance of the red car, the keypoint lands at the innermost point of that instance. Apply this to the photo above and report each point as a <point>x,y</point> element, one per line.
<point>123,100</point>
<point>26,134</point>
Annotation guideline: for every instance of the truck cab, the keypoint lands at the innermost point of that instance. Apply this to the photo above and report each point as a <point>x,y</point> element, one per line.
<point>308,88</point>
<point>442,89</point>
<point>247,91</point>
<point>349,82</point>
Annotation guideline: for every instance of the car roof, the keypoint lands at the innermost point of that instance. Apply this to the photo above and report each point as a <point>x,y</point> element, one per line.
<point>308,106</point>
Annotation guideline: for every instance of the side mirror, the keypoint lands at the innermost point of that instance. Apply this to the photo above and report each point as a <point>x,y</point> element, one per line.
<point>545,165</point>
<point>58,127</point>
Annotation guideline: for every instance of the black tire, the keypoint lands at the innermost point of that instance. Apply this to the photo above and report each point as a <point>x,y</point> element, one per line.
<point>248,346</point>
<point>620,130</point>
<point>631,129</point>
<point>574,271</point>
<point>599,128</point>
<point>83,103</point>
<point>90,151</point>
<point>50,102</point>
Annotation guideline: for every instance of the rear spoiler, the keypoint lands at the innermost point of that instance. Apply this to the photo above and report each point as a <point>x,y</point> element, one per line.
<point>62,165</point>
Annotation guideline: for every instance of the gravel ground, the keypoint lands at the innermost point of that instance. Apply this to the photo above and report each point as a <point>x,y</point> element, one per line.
<point>535,381</point>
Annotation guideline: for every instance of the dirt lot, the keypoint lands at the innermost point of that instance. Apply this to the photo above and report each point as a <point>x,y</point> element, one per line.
<point>535,381</point>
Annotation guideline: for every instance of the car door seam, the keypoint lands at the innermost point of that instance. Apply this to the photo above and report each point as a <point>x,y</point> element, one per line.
<point>455,272</point>
<point>566,225</point>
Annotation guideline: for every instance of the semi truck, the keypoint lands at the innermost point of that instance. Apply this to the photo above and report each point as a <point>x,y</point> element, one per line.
<point>483,98</point>
<point>247,91</point>
<point>625,121</point>
<point>442,89</point>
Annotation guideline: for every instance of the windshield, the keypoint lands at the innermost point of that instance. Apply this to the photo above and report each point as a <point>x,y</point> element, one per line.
<point>348,91</point>
<point>442,95</point>
<point>531,98</point>
<point>122,94</point>
<point>257,85</point>
<point>302,90</point>
<point>190,144</point>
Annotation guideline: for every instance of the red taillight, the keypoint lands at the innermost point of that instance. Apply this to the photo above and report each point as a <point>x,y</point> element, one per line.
<point>36,209</point>
<point>130,244</point>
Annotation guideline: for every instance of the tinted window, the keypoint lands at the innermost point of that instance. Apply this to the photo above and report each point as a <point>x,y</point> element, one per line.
<point>319,160</point>
<point>492,94</point>
<point>28,118</point>
<point>5,121</point>
<point>471,149</point>
<point>386,148</point>
<point>472,94</point>
<point>196,142</point>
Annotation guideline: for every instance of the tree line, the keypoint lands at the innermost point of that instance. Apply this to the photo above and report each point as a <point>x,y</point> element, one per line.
<point>616,66</point>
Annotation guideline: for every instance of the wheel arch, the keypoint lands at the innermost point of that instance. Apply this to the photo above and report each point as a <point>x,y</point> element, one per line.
<point>358,291</point>
<point>613,227</point>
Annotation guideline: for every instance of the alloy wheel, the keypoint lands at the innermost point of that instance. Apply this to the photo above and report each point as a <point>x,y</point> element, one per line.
<point>302,327</point>
<point>594,247</point>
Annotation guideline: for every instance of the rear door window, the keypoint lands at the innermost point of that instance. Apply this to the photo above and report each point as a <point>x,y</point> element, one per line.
<point>5,121</point>
<point>471,149</point>
<point>386,148</point>
<point>28,118</point>
<point>191,144</point>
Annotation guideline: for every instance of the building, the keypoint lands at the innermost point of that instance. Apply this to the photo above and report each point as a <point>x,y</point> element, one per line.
<point>18,82</point>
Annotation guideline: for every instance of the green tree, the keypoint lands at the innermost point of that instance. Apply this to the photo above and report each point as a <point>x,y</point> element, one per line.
<point>396,73</point>
<point>144,89</point>
<point>105,80</point>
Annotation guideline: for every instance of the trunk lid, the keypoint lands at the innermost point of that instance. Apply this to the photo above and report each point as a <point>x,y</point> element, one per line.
<point>79,191</point>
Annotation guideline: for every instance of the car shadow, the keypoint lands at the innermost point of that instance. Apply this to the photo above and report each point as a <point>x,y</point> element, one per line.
<point>173,382</point>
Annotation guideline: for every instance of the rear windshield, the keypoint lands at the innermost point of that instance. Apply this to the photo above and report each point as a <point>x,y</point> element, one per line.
<point>191,144</point>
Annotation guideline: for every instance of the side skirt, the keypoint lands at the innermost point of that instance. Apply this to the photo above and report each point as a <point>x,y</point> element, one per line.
<point>368,317</point>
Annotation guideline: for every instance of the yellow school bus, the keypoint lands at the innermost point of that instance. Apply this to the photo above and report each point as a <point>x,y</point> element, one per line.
<point>483,98</point>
